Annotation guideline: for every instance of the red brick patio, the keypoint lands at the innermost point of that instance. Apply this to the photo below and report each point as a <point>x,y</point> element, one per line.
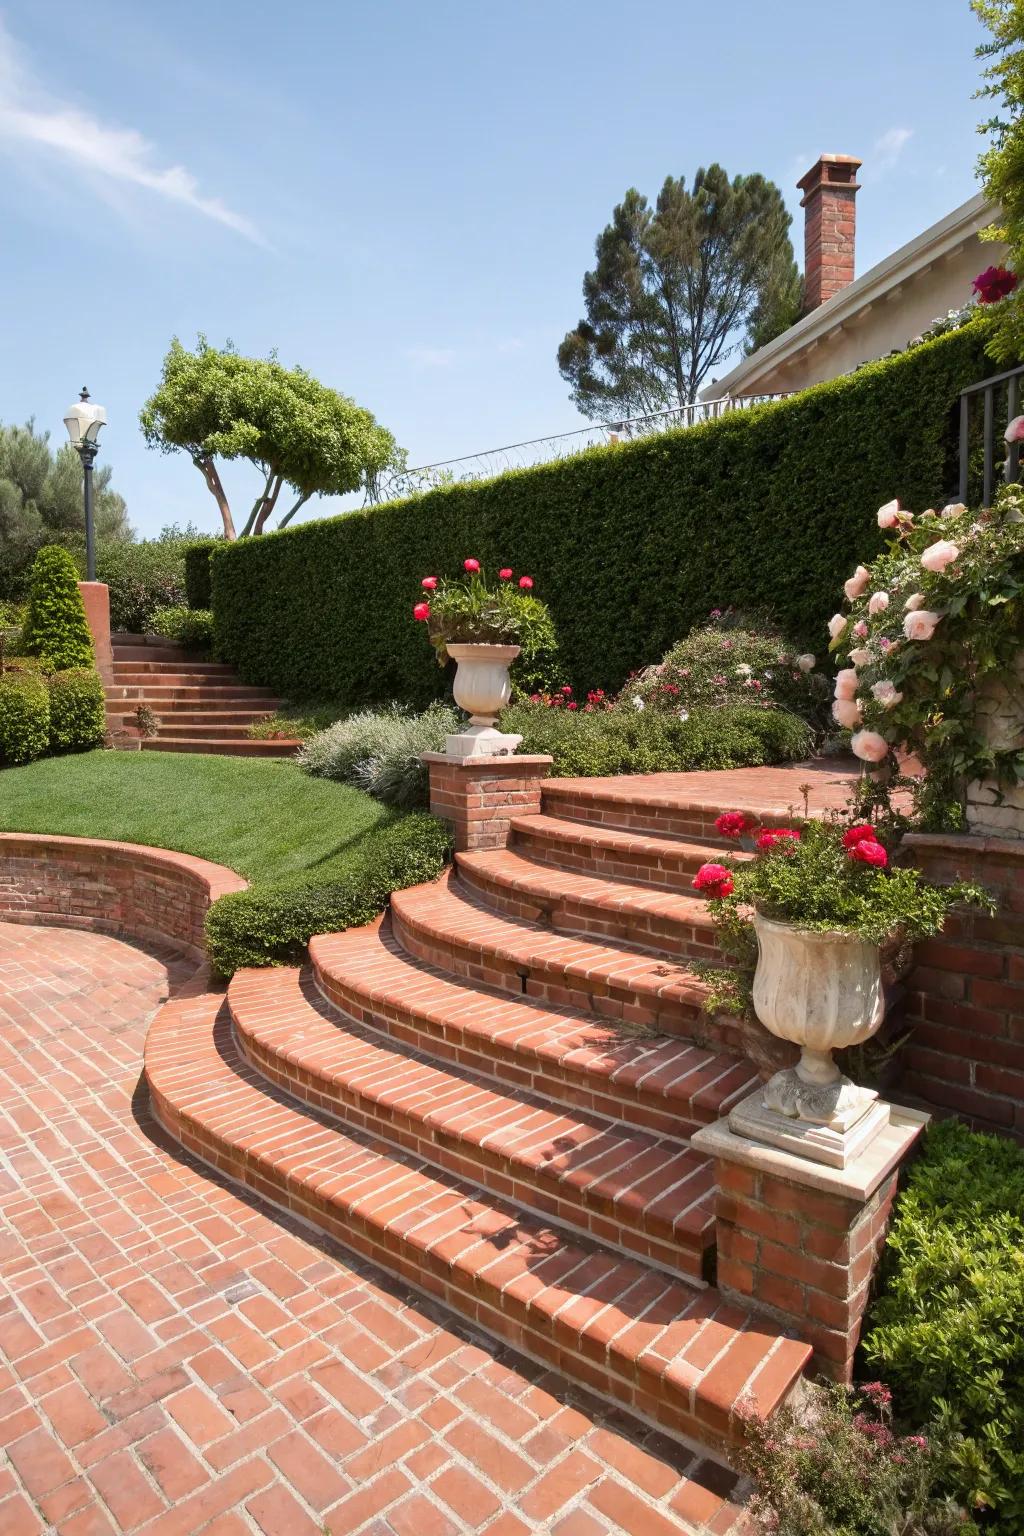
<point>174,1360</point>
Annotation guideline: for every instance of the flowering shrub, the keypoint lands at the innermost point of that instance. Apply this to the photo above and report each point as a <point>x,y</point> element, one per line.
<point>466,611</point>
<point>935,616</point>
<point>828,877</point>
<point>597,701</point>
<point>718,665</point>
<point>993,284</point>
<point>837,1467</point>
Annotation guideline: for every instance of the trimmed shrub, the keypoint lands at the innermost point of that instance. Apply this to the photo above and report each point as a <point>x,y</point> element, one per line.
<point>271,925</point>
<point>947,1330</point>
<point>197,572</point>
<point>380,752</point>
<point>55,626</point>
<point>143,578</point>
<point>24,717</point>
<point>721,664</point>
<point>625,741</point>
<point>77,713</point>
<point>191,627</point>
<point>630,544</point>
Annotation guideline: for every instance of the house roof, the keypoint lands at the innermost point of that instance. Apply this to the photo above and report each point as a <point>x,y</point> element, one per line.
<point>852,302</point>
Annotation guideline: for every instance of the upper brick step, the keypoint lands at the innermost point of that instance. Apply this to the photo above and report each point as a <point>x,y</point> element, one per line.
<point>681,1358</point>
<point>614,853</point>
<point>443,924</point>
<point>663,1084</point>
<point>660,812</point>
<point>570,901</point>
<point>167,673</point>
<point>185,693</point>
<point>648,1196</point>
<point>220,746</point>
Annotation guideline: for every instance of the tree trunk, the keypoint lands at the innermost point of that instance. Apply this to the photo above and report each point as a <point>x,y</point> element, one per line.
<point>208,469</point>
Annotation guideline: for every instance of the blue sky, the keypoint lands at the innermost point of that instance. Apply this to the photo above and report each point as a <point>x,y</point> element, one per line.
<point>403,196</point>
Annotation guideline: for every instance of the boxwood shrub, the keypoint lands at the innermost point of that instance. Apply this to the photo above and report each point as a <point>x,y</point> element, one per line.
<point>271,925</point>
<point>631,545</point>
<point>77,714</point>
<point>24,717</point>
<point>947,1330</point>
<point>56,629</point>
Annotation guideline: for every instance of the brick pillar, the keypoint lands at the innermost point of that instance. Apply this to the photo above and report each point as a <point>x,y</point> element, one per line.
<point>96,599</point>
<point>480,795</point>
<point>830,226</point>
<point>800,1240</point>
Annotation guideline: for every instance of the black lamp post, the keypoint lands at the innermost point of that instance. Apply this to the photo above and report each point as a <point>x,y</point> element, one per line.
<point>83,422</point>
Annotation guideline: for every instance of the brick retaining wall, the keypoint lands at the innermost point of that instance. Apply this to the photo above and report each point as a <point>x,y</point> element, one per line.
<point>966,993</point>
<point>120,888</point>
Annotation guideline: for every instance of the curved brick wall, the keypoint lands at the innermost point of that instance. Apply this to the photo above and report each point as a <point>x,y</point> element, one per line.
<point>121,888</point>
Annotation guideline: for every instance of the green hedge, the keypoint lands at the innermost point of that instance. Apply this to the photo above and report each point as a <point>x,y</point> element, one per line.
<point>143,578</point>
<point>24,717</point>
<point>947,1330</point>
<point>197,572</point>
<point>630,545</point>
<point>56,629</point>
<point>77,714</point>
<point>271,925</point>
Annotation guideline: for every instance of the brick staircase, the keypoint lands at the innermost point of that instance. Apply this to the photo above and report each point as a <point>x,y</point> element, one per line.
<point>201,705</point>
<point>490,1092</point>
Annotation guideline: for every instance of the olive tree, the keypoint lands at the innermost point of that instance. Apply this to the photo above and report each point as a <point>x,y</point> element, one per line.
<point>215,404</point>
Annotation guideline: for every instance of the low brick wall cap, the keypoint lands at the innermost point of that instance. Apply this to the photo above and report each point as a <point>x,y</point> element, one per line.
<point>965,842</point>
<point>510,761</point>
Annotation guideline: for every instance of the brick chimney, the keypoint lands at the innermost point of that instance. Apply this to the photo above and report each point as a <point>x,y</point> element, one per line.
<point>830,226</point>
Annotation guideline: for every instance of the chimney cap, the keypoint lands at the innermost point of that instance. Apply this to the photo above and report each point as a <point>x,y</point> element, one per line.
<point>830,171</point>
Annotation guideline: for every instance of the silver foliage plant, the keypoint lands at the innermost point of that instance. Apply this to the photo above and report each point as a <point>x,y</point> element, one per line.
<point>379,751</point>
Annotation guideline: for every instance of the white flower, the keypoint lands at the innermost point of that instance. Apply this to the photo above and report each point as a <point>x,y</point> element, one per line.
<point>954,508</point>
<point>860,657</point>
<point>836,625</point>
<point>684,714</point>
<point>857,583</point>
<point>806,663</point>
<point>638,702</point>
<point>743,670</point>
<point>878,602</point>
<point>886,694</point>
<point>915,601</point>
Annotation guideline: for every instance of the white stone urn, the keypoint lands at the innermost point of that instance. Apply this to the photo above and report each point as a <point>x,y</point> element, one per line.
<point>482,688</point>
<point>994,809</point>
<point>822,991</point>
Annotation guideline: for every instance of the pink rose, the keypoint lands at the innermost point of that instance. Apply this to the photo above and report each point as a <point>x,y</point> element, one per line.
<point>914,601</point>
<point>878,602</point>
<point>860,657</point>
<point>870,747</point>
<point>836,625</point>
<point>857,583</point>
<point>920,625</point>
<point>526,582</point>
<point>505,574</point>
<point>1015,430</point>
<point>846,683</point>
<point>937,556</point>
<point>471,565</point>
<point>429,583</point>
<point>886,694</point>
<point>421,612</point>
<point>846,712</point>
<point>860,629</point>
<point>889,515</point>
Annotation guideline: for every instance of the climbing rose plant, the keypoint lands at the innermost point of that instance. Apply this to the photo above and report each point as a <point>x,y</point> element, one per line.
<point>928,622</point>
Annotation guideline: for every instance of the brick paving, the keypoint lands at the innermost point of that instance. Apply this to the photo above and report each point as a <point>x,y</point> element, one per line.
<point>175,1359</point>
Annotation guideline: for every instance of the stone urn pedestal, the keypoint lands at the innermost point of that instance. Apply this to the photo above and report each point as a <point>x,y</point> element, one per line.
<point>482,688</point>
<point>996,809</point>
<point>821,992</point>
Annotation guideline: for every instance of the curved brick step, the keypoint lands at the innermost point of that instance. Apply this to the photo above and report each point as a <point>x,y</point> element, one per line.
<point>220,746</point>
<point>663,1083</point>
<point>660,812</point>
<point>649,1196</point>
<point>442,924</point>
<point>614,853</point>
<point>681,1358</point>
<point>571,901</point>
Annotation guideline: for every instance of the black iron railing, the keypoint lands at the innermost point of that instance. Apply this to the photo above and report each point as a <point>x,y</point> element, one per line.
<point>1002,386</point>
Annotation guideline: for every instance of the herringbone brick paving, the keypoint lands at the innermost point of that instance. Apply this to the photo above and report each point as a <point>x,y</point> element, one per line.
<point>173,1359</point>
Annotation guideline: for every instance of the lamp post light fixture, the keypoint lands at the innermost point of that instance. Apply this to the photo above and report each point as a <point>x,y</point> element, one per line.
<point>83,422</point>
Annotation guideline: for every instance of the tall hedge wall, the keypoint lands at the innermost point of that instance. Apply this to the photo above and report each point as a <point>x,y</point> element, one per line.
<point>630,544</point>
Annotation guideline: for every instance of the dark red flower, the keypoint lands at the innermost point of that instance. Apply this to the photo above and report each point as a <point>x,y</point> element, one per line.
<point>734,823</point>
<point>713,880</point>
<point>993,284</point>
<point>471,565</point>
<point>421,611</point>
<point>867,852</point>
<point>526,582</point>
<point>505,574</point>
<point>782,838</point>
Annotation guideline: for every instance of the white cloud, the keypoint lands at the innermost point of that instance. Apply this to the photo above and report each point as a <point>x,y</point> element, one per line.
<point>29,116</point>
<point>889,147</point>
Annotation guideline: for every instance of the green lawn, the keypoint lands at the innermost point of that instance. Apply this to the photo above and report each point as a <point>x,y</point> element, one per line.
<point>263,818</point>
